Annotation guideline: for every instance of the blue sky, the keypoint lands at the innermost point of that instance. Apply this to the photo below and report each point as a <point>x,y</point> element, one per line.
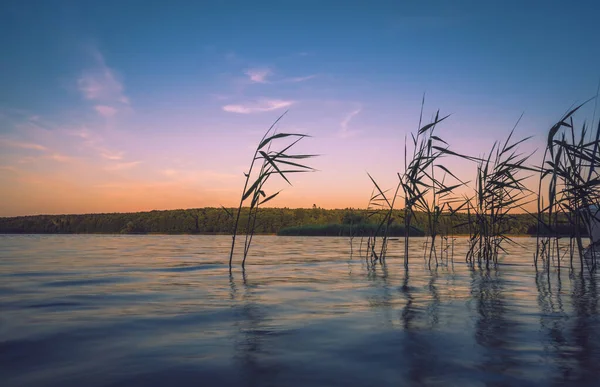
<point>133,105</point>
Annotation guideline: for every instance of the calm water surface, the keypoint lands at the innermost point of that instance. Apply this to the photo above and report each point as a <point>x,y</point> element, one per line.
<point>95,310</point>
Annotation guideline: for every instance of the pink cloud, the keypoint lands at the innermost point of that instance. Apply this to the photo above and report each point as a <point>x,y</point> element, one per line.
<point>112,156</point>
<point>22,145</point>
<point>105,111</point>
<point>60,158</point>
<point>122,166</point>
<point>101,83</point>
<point>9,168</point>
<point>264,105</point>
<point>344,132</point>
<point>299,79</point>
<point>258,75</point>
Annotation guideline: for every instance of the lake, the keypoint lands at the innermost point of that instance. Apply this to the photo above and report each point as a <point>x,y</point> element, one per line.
<point>138,310</point>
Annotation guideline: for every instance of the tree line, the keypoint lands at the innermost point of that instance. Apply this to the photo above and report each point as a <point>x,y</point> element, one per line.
<point>213,220</point>
<point>189,221</point>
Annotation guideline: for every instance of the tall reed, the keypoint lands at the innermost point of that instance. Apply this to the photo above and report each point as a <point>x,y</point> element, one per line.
<point>383,207</point>
<point>272,163</point>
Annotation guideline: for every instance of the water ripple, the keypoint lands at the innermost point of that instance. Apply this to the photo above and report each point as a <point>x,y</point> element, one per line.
<point>102,310</point>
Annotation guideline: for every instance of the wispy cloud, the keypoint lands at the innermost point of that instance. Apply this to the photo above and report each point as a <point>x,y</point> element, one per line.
<point>22,145</point>
<point>264,105</point>
<point>101,84</point>
<point>26,160</point>
<point>266,75</point>
<point>170,172</point>
<point>344,132</point>
<point>8,168</point>
<point>299,79</point>
<point>258,75</point>
<point>220,97</point>
<point>122,166</point>
<point>105,111</point>
<point>112,155</point>
<point>60,158</point>
<point>83,133</point>
<point>90,138</point>
<point>95,141</point>
<point>45,153</point>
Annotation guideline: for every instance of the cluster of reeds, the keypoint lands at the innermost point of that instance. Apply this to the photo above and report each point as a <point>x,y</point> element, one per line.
<point>446,249</point>
<point>352,220</point>
<point>266,163</point>
<point>570,168</point>
<point>424,187</point>
<point>499,191</point>
<point>382,208</point>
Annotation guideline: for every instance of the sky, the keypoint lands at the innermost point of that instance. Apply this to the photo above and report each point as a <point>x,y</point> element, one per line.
<point>119,106</point>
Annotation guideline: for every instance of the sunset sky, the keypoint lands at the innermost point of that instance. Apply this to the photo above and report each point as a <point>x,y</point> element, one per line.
<point>110,106</point>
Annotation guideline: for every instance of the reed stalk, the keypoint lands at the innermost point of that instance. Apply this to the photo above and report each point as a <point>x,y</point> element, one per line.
<point>272,163</point>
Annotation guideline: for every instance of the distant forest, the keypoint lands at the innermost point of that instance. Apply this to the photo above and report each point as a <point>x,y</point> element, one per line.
<point>283,221</point>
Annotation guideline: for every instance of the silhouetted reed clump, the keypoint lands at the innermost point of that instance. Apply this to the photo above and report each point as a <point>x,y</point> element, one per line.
<point>425,185</point>
<point>381,207</point>
<point>266,163</point>
<point>570,171</point>
<point>424,188</point>
<point>499,191</point>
